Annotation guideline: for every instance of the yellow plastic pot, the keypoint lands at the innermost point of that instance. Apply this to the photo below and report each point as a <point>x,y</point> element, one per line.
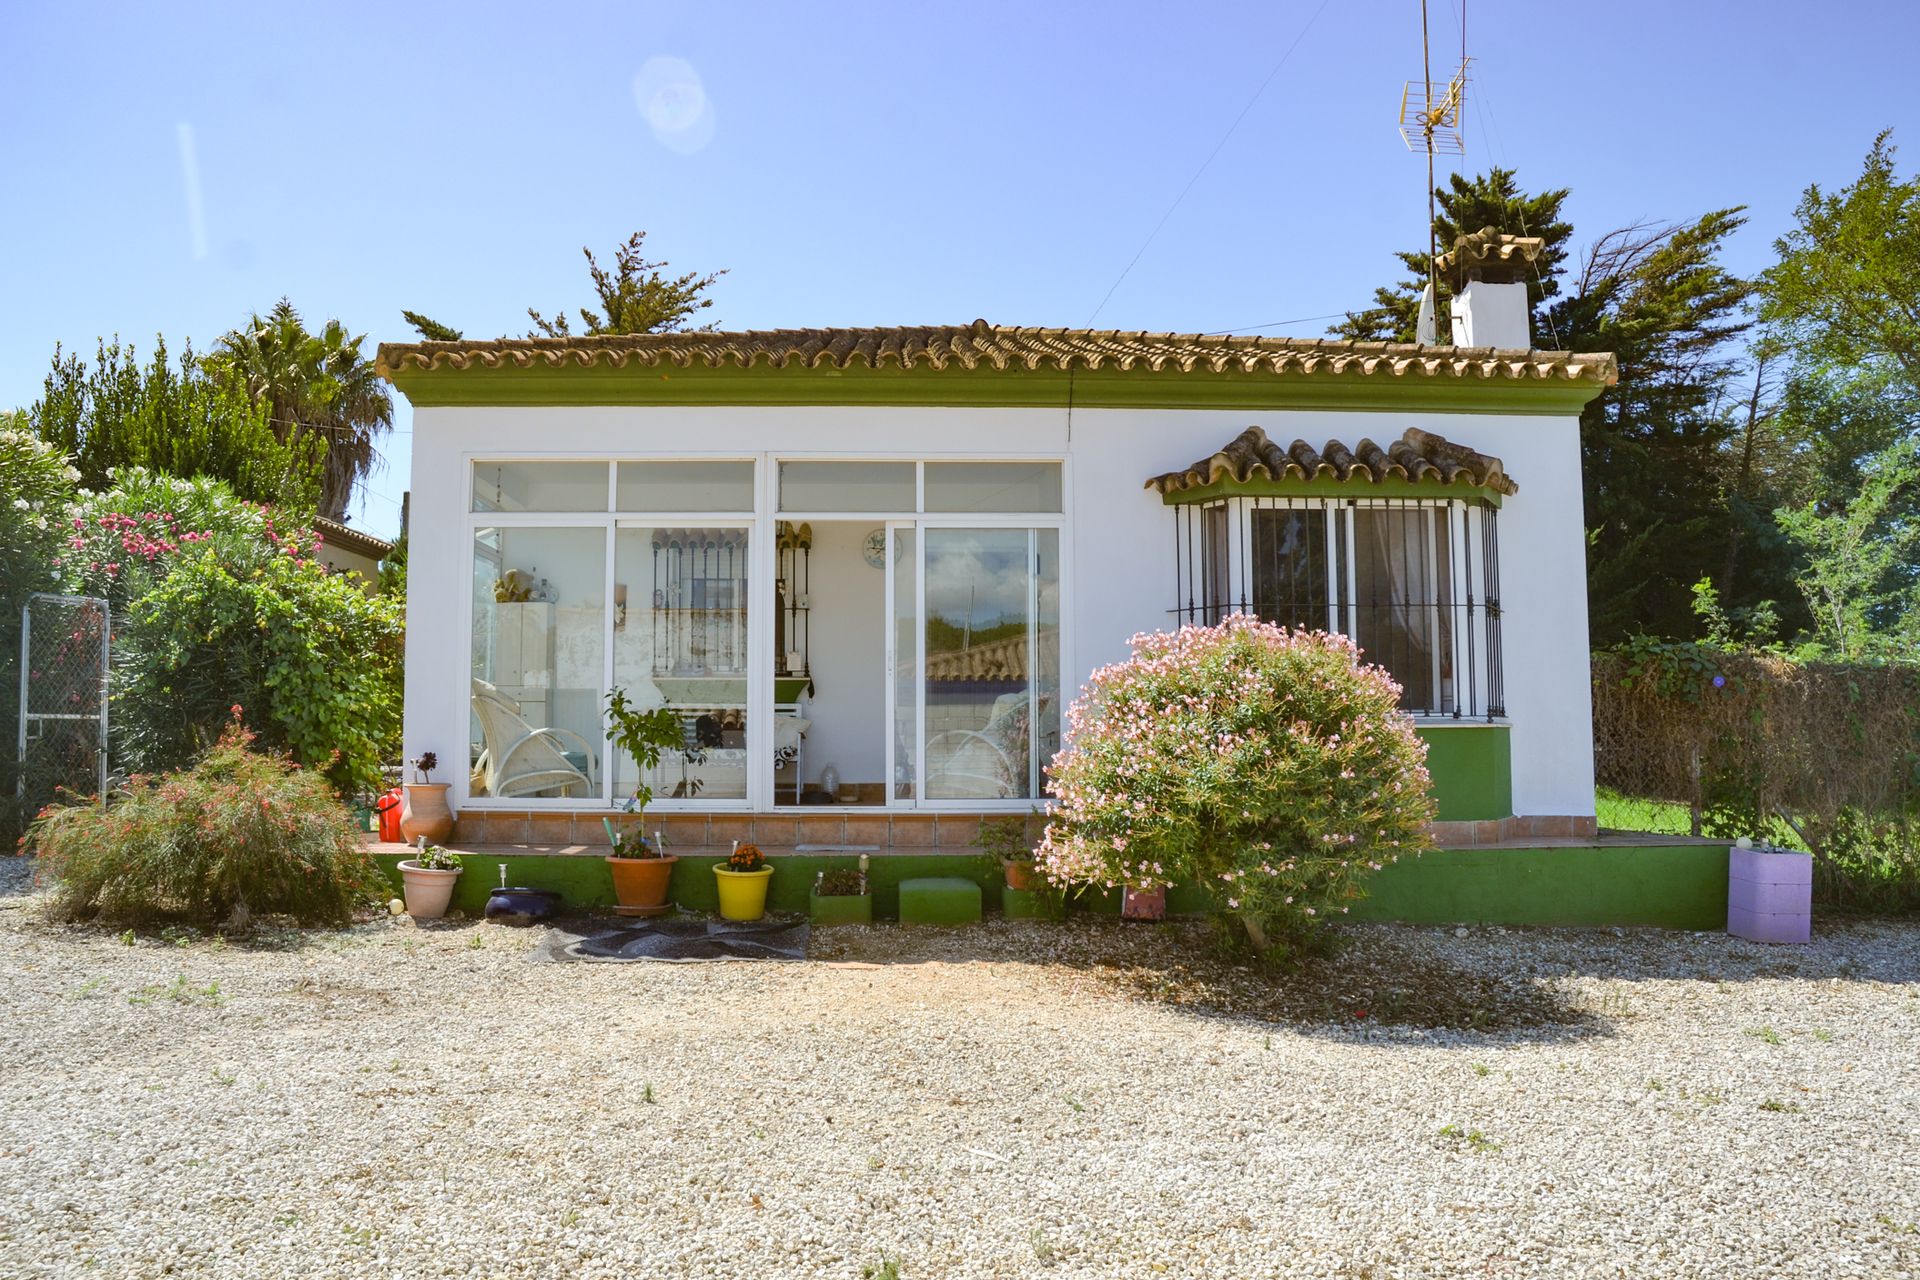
<point>743,894</point>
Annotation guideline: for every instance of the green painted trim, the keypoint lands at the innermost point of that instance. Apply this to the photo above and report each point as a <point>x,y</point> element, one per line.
<point>1681,886</point>
<point>999,388</point>
<point>583,880</point>
<point>1668,887</point>
<point>1354,487</point>
<point>1472,770</point>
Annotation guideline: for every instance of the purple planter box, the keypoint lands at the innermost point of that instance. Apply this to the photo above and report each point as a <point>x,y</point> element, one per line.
<point>1769,895</point>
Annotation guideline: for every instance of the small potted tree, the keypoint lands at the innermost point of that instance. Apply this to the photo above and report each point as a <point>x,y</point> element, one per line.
<point>1006,840</point>
<point>641,870</point>
<point>743,883</point>
<point>429,877</point>
<point>425,812</point>
<point>841,896</point>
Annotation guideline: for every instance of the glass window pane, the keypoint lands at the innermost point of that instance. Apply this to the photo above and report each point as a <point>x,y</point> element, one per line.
<point>539,486</point>
<point>993,662</point>
<point>539,621</point>
<point>993,486</point>
<point>846,486</point>
<point>680,640</point>
<point>1399,614</point>
<point>685,486</point>
<point>1290,567</point>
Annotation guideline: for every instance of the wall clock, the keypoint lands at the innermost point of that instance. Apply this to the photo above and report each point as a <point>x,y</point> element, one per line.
<point>875,548</point>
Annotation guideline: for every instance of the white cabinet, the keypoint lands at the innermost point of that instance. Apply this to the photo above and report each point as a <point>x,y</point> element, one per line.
<point>523,655</point>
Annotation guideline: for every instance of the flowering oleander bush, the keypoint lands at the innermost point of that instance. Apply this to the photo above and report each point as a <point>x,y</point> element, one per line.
<point>1271,766</point>
<point>219,601</point>
<point>242,833</point>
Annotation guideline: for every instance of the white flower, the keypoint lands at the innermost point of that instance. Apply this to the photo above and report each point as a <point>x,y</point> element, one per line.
<point>21,504</point>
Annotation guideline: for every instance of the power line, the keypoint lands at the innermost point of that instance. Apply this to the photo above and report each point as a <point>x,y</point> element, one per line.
<point>1207,162</point>
<point>1271,324</point>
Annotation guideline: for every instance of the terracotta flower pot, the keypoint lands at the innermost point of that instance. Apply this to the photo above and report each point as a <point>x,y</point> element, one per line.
<point>1144,904</point>
<point>428,891</point>
<point>641,883</point>
<point>1019,873</point>
<point>426,813</point>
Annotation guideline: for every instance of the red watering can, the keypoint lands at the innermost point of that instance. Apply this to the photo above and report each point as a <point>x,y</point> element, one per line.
<point>388,807</point>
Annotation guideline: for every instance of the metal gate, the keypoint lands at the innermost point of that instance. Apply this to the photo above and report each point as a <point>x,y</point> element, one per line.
<point>62,743</point>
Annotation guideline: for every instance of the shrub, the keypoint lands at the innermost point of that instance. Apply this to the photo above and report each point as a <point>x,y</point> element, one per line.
<point>242,833</point>
<point>36,484</point>
<point>1270,766</point>
<point>219,601</point>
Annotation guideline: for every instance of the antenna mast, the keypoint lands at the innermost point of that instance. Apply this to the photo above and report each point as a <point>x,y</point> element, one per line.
<point>1431,120</point>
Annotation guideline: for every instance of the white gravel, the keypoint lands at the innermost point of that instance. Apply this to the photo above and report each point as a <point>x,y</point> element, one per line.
<point>1071,1101</point>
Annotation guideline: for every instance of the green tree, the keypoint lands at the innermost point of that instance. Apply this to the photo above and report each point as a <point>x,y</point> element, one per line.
<point>1655,447</point>
<point>430,329</point>
<point>314,384</point>
<point>635,297</point>
<point>1846,290</point>
<point>1861,582</point>
<point>1491,199</point>
<point>182,418</point>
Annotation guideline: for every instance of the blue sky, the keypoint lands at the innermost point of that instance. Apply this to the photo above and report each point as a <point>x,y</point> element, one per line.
<point>168,169</point>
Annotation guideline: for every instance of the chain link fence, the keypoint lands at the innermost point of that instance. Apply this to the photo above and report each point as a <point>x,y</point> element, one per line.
<point>61,743</point>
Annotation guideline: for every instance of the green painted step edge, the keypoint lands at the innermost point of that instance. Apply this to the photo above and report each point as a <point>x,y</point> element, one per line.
<point>998,388</point>
<point>1472,770</point>
<point>1668,886</point>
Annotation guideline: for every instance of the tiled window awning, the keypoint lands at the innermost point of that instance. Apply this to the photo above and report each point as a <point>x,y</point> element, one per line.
<point>1418,457</point>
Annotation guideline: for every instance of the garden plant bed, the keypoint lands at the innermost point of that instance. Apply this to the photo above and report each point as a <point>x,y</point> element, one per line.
<point>1016,1098</point>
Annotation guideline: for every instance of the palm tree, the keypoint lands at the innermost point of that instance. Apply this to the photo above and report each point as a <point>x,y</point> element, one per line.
<point>318,382</point>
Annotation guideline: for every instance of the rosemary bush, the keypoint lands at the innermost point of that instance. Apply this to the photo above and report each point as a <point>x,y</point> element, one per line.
<point>242,833</point>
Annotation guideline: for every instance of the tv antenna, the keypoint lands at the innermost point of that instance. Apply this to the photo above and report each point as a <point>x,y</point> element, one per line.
<point>1432,119</point>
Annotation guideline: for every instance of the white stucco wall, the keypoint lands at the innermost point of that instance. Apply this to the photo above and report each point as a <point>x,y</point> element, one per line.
<point>1120,553</point>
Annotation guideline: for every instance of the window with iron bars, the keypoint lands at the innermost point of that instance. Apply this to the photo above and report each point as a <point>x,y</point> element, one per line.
<point>1415,582</point>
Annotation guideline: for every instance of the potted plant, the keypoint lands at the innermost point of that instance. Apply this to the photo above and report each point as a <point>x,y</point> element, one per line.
<point>840,896</point>
<point>425,813</point>
<point>1769,892</point>
<point>1006,839</point>
<point>743,883</point>
<point>641,869</point>
<point>429,877</point>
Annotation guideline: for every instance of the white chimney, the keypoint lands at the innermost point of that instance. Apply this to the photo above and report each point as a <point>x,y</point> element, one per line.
<point>1488,274</point>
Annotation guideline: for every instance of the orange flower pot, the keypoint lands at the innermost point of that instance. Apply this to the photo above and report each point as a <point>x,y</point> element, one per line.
<point>642,882</point>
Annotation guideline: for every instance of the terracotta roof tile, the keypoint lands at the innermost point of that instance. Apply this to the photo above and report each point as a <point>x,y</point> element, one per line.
<point>1418,455</point>
<point>995,347</point>
<point>335,534</point>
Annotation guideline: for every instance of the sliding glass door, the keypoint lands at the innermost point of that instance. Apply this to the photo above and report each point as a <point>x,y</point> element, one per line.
<point>976,632</point>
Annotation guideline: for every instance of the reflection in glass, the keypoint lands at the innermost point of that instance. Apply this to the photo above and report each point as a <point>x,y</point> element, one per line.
<point>539,620</point>
<point>993,486</point>
<point>992,662</point>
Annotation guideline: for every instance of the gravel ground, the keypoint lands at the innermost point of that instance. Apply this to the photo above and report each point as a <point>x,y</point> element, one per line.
<point>1012,1100</point>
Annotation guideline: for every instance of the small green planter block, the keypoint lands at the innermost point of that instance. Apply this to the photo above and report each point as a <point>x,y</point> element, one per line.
<point>851,908</point>
<point>1024,904</point>
<point>939,900</point>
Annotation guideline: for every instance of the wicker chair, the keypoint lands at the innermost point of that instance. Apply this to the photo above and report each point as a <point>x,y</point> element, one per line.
<point>520,760</point>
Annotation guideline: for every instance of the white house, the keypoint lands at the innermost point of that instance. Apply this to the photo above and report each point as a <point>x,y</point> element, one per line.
<point>869,566</point>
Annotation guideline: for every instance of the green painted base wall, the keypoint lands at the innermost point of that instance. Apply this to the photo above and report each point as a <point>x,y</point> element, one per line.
<point>1672,887</point>
<point>1472,768</point>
